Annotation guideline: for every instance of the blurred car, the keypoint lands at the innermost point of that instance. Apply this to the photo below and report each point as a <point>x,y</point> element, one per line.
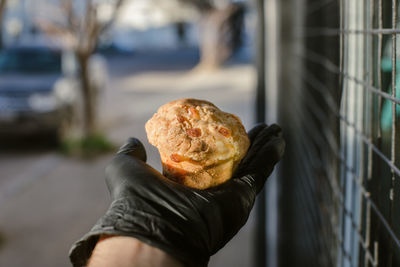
<point>39,89</point>
<point>112,48</point>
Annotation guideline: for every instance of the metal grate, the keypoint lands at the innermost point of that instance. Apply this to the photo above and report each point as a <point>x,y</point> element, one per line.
<point>342,169</point>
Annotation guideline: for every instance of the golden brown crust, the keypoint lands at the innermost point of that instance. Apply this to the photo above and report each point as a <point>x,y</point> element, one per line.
<point>200,145</point>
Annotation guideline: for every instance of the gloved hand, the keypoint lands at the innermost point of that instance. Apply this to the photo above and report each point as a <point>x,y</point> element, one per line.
<point>189,224</point>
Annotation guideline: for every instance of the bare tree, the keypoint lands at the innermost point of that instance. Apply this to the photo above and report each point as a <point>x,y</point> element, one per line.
<point>221,30</point>
<point>2,11</point>
<point>81,30</point>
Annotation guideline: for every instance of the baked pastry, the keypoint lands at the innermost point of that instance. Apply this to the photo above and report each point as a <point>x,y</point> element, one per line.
<point>200,146</point>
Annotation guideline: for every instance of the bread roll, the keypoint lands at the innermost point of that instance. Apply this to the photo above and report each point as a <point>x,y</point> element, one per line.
<point>200,146</point>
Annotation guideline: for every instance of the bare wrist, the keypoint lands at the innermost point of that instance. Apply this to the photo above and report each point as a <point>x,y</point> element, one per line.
<point>129,252</point>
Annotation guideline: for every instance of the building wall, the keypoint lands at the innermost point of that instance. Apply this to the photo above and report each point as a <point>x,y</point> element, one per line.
<point>338,185</point>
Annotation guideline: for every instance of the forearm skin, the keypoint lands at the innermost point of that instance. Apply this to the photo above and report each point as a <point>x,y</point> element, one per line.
<point>125,251</point>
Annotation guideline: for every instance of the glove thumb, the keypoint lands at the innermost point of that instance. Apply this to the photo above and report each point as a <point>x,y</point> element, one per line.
<point>134,148</point>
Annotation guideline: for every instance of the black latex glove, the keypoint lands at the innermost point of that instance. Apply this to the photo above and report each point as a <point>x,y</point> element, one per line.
<point>189,224</point>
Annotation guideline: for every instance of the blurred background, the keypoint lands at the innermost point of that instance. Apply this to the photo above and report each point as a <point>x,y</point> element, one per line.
<point>77,78</point>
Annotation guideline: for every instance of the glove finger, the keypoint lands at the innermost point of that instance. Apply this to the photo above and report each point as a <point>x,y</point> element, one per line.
<point>265,135</point>
<point>259,166</point>
<point>278,144</point>
<point>134,148</point>
<point>272,153</point>
<point>255,131</point>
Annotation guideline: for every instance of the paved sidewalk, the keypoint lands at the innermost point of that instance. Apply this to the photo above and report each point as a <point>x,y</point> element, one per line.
<point>63,199</point>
